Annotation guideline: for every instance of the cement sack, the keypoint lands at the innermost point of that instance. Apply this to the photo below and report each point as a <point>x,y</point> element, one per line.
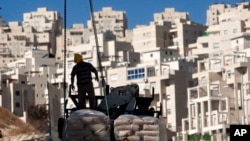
<point>136,128</point>
<point>87,125</point>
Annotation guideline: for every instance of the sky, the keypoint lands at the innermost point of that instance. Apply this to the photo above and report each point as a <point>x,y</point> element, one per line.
<point>138,11</point>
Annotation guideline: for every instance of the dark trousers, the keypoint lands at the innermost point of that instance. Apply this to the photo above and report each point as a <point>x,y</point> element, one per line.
<point>82,91</point>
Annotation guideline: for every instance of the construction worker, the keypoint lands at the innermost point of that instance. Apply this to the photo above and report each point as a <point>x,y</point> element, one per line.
<point>83,70</point>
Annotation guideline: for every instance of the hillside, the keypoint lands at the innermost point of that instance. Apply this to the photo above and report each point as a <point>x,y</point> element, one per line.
<point>11,125</point>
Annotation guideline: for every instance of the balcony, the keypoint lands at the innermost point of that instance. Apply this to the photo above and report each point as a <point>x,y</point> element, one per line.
<point>214,93</point>
<point>192,93</point>
<point>166,74</point>
<point>57,80</point>
<point>236,60</point>
<point>200,51</point>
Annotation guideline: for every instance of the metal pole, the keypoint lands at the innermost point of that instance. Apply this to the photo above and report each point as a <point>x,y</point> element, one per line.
<point>64,62</point>
<point>49,114</point>
<point>242,98</point>
<point>98,55</point>
<point>64,68</point>
<point>97,43</point>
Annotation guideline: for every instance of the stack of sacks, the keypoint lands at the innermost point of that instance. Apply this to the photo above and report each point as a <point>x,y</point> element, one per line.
<point>87,125</point>
<point>135,128</point>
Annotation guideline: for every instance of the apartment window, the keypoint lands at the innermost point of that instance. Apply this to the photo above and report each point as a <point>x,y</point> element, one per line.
<point>168,111</point>
<point>168,97</point>
<point>225,32</point>
<point>147,43</point>
<point>17,93</point>
<point>229,74</point>
<point>135,74</point>
<point>17,104</point>
<point>223,105</point>
<point>216,45</point>
<point>148,34</point>
<point>234,30</point>
<point>169,125</point>
<point>151,71</point>
<point>113,77</point>
<point>205,45</point>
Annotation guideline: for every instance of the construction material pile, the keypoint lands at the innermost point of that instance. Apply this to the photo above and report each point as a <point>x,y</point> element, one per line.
<point>136,128</point>
<point>88,125</point>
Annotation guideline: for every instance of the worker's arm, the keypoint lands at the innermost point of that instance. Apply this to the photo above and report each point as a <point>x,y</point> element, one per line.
<point>72,79</point>
<point>96,75</point>
<point>93,69</point>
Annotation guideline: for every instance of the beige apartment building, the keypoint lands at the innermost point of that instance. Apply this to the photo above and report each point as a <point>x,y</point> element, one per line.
<point>239,12</point>
<point>24,83</point>
<point>182,30</point>
<point>155,57</point>
<point>175,37</point>
<point>12,43</point>
<point>171,15</point>
<point>41,27</point>
<point>112,23</point>
<point>220,95</point>
<point>109,20</point>
<point>33,80</point>
<point>76,35</point>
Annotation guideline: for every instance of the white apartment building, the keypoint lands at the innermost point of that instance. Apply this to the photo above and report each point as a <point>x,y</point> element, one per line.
<point>77,35</point>
<point>215,12</point>
<point>174,36</point>
<point>182,30</point>
<point>109,20</point>
<point>38,30</point>
<point>41,28</point>
<point>25,81</point>
<point>164,78</point>
<point>153,58</point>
<point>220,96</point>
<point>150,37</point>
<point>12,43</point>
<point>171,15</point>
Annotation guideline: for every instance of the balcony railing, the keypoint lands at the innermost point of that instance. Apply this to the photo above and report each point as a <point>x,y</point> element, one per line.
<point>214,93</point>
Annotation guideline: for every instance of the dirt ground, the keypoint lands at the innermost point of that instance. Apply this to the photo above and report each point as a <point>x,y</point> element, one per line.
<point>10,125</point>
